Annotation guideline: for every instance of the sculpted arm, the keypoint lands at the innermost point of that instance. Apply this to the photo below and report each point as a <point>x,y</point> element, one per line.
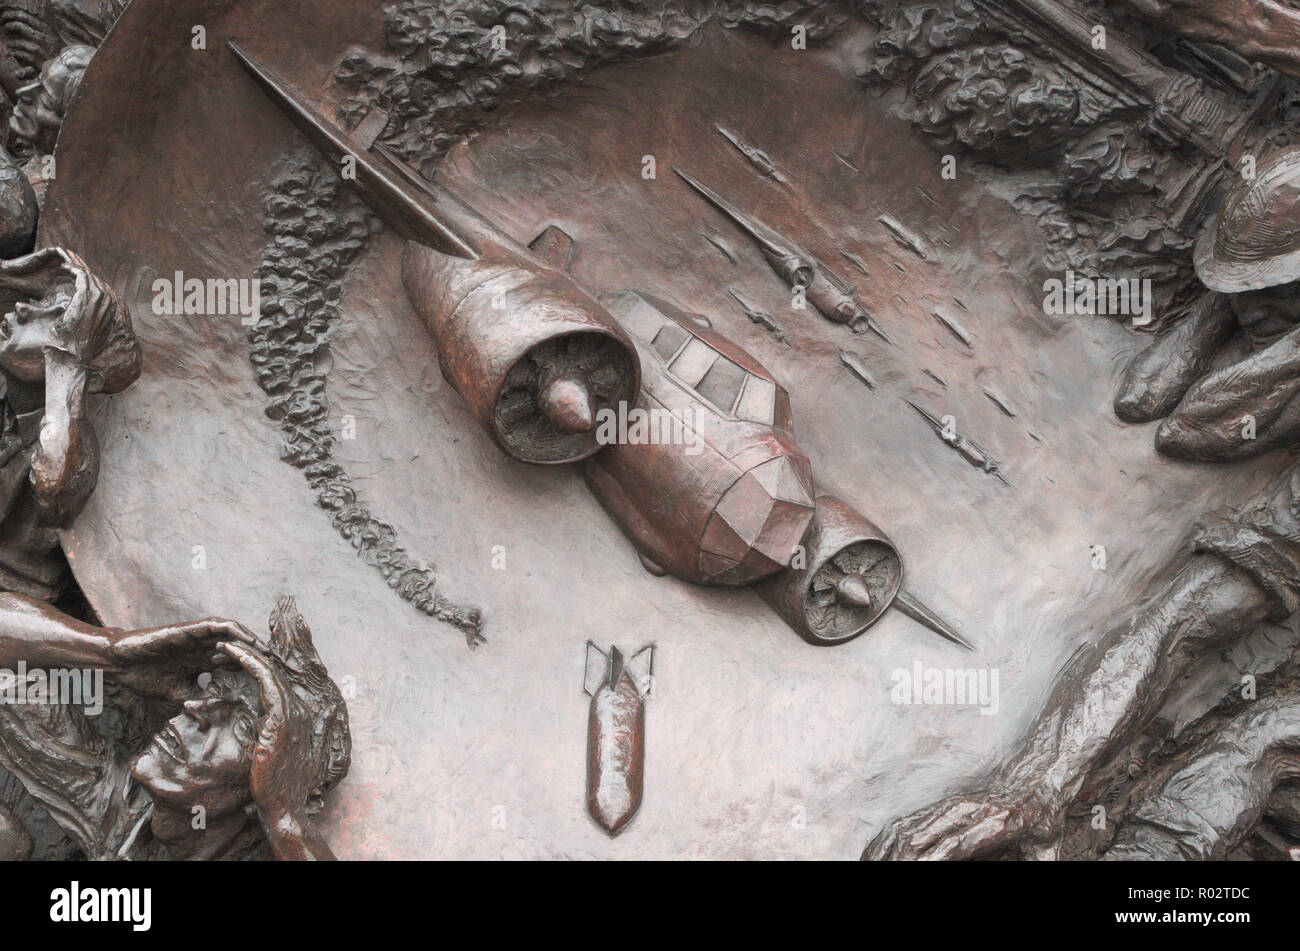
<point>1100,697</point>
<point>65,465</point>
<point>34,633</point>
<point>283,774</point>
<point>157,661</point>
<point>1103,694</point>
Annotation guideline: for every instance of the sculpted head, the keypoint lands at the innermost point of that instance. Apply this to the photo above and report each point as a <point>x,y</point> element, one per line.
<point>203,756</point>
<point>41,104</point>
<point>51,300</point>
<point>27,329</point>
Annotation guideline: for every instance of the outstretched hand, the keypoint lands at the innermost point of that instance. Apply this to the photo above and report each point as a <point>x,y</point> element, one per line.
<point>166,661</point>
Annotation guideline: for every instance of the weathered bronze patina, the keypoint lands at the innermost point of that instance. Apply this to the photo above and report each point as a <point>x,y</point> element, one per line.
<point>775,279</point>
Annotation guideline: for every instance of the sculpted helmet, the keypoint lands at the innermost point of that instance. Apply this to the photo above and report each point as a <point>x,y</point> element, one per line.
<point>1254,242</point>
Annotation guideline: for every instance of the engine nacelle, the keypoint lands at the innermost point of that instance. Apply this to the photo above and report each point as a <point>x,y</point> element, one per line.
<point>794,269</point>
<point>534,356</point>
<point>851,574</point>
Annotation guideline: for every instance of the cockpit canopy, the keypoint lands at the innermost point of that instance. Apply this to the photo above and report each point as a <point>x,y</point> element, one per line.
<point>710,366</point>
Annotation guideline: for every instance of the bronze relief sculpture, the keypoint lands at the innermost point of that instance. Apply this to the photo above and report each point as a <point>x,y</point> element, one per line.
<point>767,275</point>
<point>1247,258</point>
<point>619,686</point>
<point>261,744</point>
<point>238,773</point>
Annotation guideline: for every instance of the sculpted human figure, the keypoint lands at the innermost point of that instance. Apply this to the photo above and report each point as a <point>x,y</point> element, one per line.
<point>42,103</point>
<point>64,334</point>
<point>260,745</point>
<point>238,773</point>
<point>1249,256</point>
<point>58,320</point>
<point>1246,569</point>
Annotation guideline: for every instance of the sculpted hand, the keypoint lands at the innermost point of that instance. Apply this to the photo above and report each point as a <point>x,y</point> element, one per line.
<point>89,312</point>
<point>1210,424</point>
<point>166,661</point>
<point>57,281</point>
<point>282,774</point>
<point>1155,380</point>
<point>29,38</point>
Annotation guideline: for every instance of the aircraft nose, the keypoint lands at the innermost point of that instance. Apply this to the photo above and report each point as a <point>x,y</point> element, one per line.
<point>566,402</point>
<point>759,522</point>
<point>851,589</point>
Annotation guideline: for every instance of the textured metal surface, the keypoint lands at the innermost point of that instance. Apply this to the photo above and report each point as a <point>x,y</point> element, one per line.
<point>762,745</point>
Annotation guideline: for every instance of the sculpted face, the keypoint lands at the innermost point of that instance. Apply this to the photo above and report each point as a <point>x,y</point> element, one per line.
<point>201,757</point>
<point>31,112</point>
<point>26,330</point>
<point>39,109</point>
